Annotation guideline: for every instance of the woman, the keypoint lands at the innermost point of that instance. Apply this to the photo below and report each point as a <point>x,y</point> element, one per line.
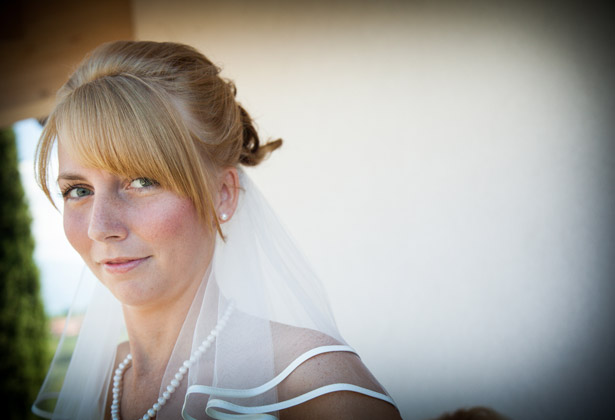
<point>212,311</point>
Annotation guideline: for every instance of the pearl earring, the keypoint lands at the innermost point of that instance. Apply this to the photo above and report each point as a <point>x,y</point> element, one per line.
<point>224,217</point>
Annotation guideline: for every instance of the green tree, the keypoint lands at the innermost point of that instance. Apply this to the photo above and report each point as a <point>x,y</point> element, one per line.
<point>23,325</point>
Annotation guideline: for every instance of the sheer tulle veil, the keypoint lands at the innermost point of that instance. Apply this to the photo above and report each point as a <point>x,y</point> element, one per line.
<point>280,318</point>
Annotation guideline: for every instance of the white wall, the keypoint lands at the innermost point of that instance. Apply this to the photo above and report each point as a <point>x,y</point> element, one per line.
<point>449,174</point>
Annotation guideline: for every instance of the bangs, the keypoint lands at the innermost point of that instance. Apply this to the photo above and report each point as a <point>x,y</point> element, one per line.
<point>124,126</point>
<point>118,124</point>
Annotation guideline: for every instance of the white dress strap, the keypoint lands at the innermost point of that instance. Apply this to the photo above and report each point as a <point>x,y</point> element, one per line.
<point>259,412</point>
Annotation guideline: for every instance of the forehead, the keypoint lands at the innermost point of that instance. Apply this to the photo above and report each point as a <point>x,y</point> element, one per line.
<point>71,151</point>
<point>65,159</point>
<point>69,167</point>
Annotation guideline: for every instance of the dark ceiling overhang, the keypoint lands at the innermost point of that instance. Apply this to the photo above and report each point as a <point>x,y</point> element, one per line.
<point>42,41</point>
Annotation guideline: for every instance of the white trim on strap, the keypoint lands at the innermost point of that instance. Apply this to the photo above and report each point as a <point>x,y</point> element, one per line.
<point>257,412</point>
<point>252,392</point>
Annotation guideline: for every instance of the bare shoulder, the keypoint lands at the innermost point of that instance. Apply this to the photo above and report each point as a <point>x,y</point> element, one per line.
<point>343,405</point>
<point>325,369</point>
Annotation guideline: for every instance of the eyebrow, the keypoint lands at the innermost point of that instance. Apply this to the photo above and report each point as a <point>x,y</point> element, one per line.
<point>69,176</point>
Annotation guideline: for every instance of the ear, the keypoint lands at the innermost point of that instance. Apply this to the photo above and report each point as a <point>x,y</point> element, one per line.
<point>228,194</point>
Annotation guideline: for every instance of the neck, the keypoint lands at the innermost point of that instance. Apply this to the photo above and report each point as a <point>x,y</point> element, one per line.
<point>153,331</point>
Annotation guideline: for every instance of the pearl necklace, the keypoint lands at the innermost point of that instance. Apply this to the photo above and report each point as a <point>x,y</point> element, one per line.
<point>151,413</point>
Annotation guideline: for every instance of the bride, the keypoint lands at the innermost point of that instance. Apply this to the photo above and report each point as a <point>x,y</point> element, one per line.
<point>204,307</point>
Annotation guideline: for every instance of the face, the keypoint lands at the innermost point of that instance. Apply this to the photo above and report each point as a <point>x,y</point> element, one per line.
<point>146,244</point>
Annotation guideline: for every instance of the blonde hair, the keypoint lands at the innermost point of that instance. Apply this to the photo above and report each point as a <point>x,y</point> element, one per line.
<point>155,110</point>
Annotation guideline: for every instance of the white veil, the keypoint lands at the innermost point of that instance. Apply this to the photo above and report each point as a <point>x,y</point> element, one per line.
<point>280,320</point>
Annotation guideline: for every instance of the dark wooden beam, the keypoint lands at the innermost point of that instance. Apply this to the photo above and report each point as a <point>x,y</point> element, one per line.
<point>42,42</point>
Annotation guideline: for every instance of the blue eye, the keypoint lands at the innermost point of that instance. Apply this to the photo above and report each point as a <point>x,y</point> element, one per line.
<point>142,183</point>
<point>77,192</point>
<point>81,192</point>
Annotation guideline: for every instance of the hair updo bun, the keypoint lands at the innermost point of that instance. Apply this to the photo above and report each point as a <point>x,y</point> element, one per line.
<point>252,152</point>
<point>154,109</point>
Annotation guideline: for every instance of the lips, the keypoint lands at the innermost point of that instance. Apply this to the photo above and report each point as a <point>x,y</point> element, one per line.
<point>122,265</point>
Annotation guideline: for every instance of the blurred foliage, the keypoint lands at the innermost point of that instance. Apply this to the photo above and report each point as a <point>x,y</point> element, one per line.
<point>23,325</point>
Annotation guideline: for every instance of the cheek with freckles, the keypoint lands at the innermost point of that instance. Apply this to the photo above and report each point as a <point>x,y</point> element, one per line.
<point>76,231</point>
<point>164,219</point>
<point>171,226</point>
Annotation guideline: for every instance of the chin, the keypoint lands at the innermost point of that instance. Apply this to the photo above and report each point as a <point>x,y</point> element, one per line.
<point>133,295</point>
<point>129,290</point>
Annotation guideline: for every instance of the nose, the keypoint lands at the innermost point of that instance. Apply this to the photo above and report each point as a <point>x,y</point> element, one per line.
<point>107,220</point>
